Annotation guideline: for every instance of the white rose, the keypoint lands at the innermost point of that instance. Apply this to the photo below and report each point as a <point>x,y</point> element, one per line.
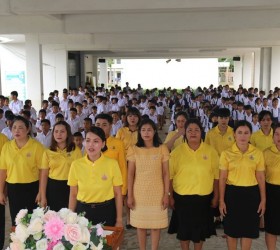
<point>99,247</point>
<point>21,232</point>
<point>85,238</point>
<point>20,215</point>
<point>72,218</point>
<point>83,222</point>
<point>79,246</point>
<point>63,212</point>
<point>37,213</point>
<point>36,226</point>
<point>59,246</point>
<point>13,237</point>
<point>17,246</point>
<point>42,244</point>
<point>37,236</point>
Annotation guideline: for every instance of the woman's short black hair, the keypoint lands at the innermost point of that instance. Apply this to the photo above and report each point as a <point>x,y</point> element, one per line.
<point>100,133</point>
<point>156,139</point>
<point>263,113</point>
<point>21,118</point>
<point>242,123</point>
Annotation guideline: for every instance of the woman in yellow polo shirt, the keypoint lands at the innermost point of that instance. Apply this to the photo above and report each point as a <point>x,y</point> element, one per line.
<point>19,167</point>
<point>55,167</point>
<point>194,174</point>
<point>176,137</point>
<point>242,188</point>
<point>128,133</point>
<point>272,172</point>
<point>95,183</point>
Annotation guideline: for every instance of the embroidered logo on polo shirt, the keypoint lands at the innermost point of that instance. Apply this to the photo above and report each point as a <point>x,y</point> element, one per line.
<point>205,157</point>
<point>230,138</point>
<point>252,157</point>
<point>104,177</point>
<point>28,155</point>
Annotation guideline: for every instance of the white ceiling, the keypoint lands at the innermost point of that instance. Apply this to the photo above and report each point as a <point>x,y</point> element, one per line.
<point>147,28</point>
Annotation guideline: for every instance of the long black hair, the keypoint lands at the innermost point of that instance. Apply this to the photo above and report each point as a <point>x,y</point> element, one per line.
<point>156,140</point>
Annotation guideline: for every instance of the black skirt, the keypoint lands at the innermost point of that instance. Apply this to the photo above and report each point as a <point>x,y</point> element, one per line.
<point>22,196</point>
<point>57,194</point>
<point>242,219</point>
<point>192,218</point>
<point>2,226</point>
<point>272,213</point>
<point>104,212</point>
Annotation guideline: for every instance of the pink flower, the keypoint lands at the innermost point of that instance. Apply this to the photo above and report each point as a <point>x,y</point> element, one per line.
<point>72,233</point>
<point>52,244</point>
<point>54,228</point>
<point>99,230</point>
<point>49,215</point>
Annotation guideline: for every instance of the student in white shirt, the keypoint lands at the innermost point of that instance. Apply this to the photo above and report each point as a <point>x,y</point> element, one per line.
<point>31,109</point>
<point>15,105</point>
<point>117,123</point>
<point>45,137</point>
<point>153,114</point>
<point>51,116</point>
<point>275,110</point>
<point>248,113</point>
<point>74,121</point>
<point>86,109</point>
<point>87,123</point>
<point>93,114</point>
<point>160,113</point>
<point>8,130</point>
<point>2,122</point>
<point>255,122</point>
<point>63,102</point>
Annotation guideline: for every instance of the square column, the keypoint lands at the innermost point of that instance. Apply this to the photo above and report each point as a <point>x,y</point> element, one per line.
<point>34,70</point>
<point>275,66</point>
<point>265,69</point>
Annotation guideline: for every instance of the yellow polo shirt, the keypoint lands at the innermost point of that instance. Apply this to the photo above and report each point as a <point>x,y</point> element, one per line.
<point>272,165</point>
<point>95,180</point>
<point>262,141</point>
<point>177,142</point>
<point>3,140</point>
<point>128,137</point>
<point>22,164</point>
<point>193,172</point>
<point>58,162</point>
<point>116,151</point>
<point>242,167</point>
<point>218,141</point>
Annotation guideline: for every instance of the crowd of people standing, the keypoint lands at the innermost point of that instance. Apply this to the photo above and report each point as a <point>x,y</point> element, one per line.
<point>98,151</point>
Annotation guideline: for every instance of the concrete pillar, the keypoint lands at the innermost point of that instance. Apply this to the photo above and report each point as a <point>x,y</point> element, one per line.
<point>91,69</point>
<point>275,67</point>
<point>237,75</point>
<point>265,68</point>
<point>103,74</point>
<point>34,70</point>
<point>61,66</point>
<point>257,58</point>
<point>248,70</point>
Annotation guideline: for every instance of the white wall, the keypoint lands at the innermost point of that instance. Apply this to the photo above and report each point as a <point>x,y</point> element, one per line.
<point>275,67</point>
<point>12,58</point>
<point>151,73</point>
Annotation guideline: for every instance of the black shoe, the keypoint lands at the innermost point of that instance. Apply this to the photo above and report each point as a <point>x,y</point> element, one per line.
<point>128,226</point>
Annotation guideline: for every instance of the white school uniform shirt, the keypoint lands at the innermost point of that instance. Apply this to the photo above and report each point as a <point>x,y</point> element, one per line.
<point>153,118</point>
<point>255,127</point>
<point>2,125</point>
<point>16,106</point>
<point>51,117</point>
<point>239,98</point>
<point>63,104</point>
<point>86,110</point>
<point>92,117</point>
<point>275,113</point>
<point>115,107</point>
<point>45,139</point>
<point>251,103</point>
<point>238,116</point>
<point>101,108</point>
<point>116,127</point>
<point>122,102</point>
<point>77,98</point>
<point>160,110</point>
<point>75,124</point>
<point>6,131</point>
<point>267,108</point>
<point>248,118</point>
<point>258,108</point>
<point>214,101</point>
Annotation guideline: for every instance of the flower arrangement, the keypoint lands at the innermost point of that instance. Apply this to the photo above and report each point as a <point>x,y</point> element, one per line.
<point>45,229</point>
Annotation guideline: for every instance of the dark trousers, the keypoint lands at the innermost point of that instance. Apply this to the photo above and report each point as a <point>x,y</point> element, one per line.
<point>2,226</point>
<point>57,194</point>
<point>22,196</point>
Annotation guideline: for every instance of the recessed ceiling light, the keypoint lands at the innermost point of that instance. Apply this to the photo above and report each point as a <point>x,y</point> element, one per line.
<point>5,39</point>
